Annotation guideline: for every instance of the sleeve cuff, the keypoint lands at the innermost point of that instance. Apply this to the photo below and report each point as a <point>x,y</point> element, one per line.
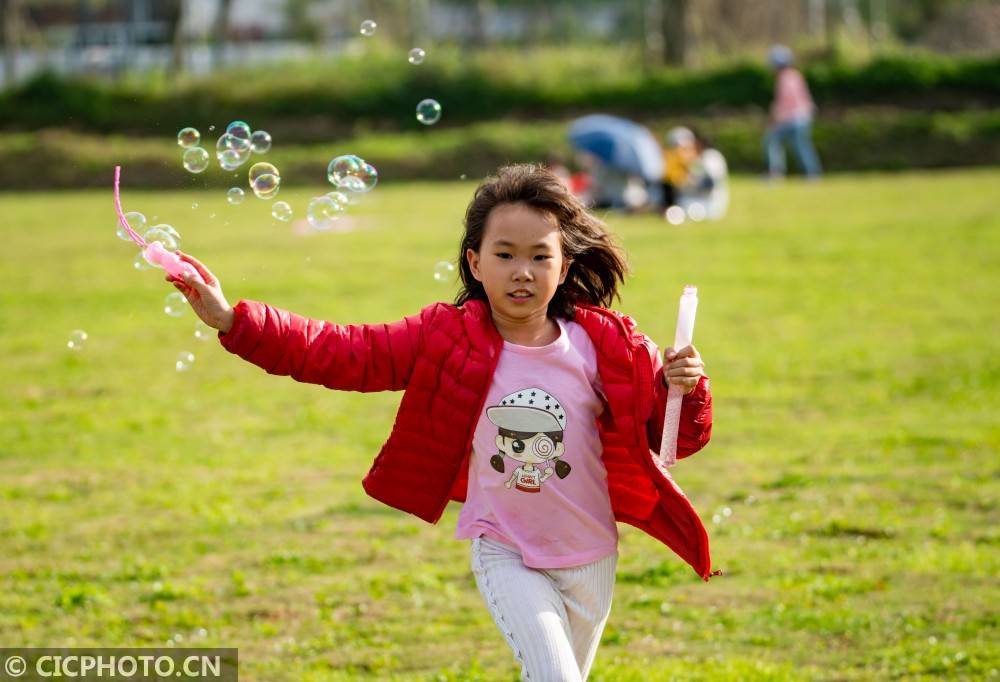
<point>246,327</point>
<point>700,393</point>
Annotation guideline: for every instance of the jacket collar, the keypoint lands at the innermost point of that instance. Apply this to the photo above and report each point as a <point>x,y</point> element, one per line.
<point>598,322</point>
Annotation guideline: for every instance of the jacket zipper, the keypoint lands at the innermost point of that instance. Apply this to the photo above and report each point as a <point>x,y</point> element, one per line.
<point>472,433</point>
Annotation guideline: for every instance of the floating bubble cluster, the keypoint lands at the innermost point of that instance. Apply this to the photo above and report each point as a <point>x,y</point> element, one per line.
<point>232,151</point>
<point>443,271</point>
<point>165,234</point>
<point>416,56</point>
<point>77,340</point>
<point>195,160</point>
<point>235,195</point>
<point>368,28</point>
<point>188,137</point>
<point>429,112</point>
<point>265,180</point>
<point>282,211</point>
<point>352,173</point>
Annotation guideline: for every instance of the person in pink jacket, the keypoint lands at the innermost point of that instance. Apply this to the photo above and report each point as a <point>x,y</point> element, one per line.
<point>527,399</point>
<point>791,117</point>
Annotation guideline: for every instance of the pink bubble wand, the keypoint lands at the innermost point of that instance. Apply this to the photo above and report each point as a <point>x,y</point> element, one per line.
<point>153,252</point>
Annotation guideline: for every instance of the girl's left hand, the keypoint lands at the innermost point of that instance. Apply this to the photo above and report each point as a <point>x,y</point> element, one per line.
<point>683,368</point>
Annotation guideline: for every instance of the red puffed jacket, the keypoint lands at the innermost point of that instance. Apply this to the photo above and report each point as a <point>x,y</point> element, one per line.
<point>444,358</point>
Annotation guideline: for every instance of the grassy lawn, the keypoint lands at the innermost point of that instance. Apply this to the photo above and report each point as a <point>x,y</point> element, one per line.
<point>850,330</point>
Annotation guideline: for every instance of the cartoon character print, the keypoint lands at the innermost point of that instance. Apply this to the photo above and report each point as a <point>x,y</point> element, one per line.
<point>530,425</point>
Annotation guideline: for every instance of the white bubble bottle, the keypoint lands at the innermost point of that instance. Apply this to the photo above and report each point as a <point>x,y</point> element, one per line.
<point>675,394</point>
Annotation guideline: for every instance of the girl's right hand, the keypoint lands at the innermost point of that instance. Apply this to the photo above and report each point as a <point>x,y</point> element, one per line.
<point>205,297</point>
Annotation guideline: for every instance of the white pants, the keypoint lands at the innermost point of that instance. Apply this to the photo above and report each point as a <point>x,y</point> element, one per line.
<point>552,618</point>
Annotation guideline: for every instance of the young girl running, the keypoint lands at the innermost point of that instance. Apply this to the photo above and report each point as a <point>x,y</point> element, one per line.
<point>528,400</point>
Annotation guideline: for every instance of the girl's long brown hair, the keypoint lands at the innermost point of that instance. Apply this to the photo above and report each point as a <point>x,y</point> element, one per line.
<point>598,263</point>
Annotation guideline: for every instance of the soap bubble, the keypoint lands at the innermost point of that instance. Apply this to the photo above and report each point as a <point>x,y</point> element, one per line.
<point>230,142</point>
<point>368,28</point>
<point>136,221</point>
<point>342,166</point>
<point>184,361</point>
<point>188,137</point>
<point>365,180</point>
<point>232,151</point>
<point>416,56</point>
<point>174,304</point>
<point>202,331</point>
<point>194,206</point>
<point>239,129</point>
<point>352,173</point>
<point>169,229</point>
<point>230,160</point>
<point>77,340</point>
<point>443,271</point>
<point>140,263</point>
<point>322,212</point>
<point>265,180</point>
<point>266,186</point>
<point>195,160</point>
<point>211,128</point>
<point>262,168</point>
<point>282,211</point>
<point>260,142</point>
<point>429,112</point>
<point>675,215</point>
<point>157,233</point>
<point>235,195</point>
<point>340,199</point>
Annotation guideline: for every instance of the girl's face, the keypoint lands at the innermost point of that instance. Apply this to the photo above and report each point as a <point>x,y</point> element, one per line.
<point>520,261</point>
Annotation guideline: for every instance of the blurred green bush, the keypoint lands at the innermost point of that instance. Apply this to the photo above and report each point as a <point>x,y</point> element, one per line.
<point>872,138</point>
<point>352,95</point>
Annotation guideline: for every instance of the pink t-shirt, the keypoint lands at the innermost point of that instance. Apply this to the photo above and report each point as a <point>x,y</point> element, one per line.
<point>791,97</point>
<point>536,478</point>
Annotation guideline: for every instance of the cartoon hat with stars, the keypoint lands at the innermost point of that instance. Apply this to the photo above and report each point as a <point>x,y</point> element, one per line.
<point>529,410</point>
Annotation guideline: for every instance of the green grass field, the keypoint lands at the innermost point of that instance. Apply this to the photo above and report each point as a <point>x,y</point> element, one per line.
<point>850,491</point>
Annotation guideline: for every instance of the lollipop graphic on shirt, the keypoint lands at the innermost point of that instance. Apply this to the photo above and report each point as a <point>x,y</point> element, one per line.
<point>530,424</point>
